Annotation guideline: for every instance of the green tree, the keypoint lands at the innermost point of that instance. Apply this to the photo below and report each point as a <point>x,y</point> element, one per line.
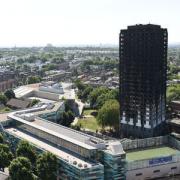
<point>85,93</point>
<point>5,156</point>
<point>79,84</point>
<point>25,149</point>
<point>95,94</point>
<point>3,99</point>
<point>67,118</point>
<point>9,94</point>
<point>68,106</point>
<point>33,79</point>
<point>34,102</point>
<point>20,61</point>
<point>49,67</point>
<point>20,169</point>
<point>70,116</point>
<point>47,166</point>
<point>111,94</point>
<point>101,100</point>
<point>114,94</point>
<point>1,138</point>
<point>108,115</point>
<point>64,118</point>
<point>173,93</point>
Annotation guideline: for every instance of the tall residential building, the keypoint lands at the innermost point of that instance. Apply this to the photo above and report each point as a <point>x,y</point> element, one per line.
<point>143,64</point>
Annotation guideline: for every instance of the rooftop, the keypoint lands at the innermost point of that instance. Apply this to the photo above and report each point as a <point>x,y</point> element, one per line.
<point>115,148</point>
<point>17,103</point>
<point>44,146</point>
<point>176,102</point>
<point>3,116</point>
<point>3,176</point>
<point>150,153</point>
<point>52,107</point>
<point>144,26</point>
<point>75,137</point>
<point>36,89</point>
<point>43,100</point>
<point>175,121</point>
<point>22,91</point>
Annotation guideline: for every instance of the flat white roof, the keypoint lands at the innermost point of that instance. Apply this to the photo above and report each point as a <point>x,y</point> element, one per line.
<point>62,132</point>
<point>42,100</point>
<point>26,89</point>
<point>22,90</point>
<point>43,145</point>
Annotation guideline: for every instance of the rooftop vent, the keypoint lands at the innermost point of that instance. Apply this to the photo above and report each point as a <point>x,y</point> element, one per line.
<point>85,166</point>
<point>79,165</point>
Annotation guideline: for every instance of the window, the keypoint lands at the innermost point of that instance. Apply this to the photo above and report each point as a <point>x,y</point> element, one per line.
<point>156,171</point>
<point>139,174</point>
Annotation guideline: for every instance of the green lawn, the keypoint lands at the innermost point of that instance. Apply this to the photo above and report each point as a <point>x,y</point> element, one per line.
<point>88,123</point>
<point>150,153</point>
<point>5,109</point>
<point>88,111</point>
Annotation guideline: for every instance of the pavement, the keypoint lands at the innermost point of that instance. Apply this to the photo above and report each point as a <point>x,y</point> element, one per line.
<point>80,106</point>
<point>75,121</point>
<point>87,116</point>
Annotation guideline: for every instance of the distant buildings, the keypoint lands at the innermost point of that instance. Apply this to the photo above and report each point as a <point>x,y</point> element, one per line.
<point>46,90</point>
<point>143,65</point>
<point>57,75</point>
<point>7,79</point>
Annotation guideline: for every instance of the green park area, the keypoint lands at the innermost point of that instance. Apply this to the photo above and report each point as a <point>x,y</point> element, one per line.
<point>150,153</point>
<point>4,110</point>
<point>89,112</point>
<point>88,121</point>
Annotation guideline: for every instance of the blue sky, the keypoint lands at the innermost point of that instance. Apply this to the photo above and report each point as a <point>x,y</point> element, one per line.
<point>81,22</point>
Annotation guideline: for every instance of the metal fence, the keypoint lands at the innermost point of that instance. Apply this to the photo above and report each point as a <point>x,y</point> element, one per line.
<point>173,142</point>
<point>144,143</point>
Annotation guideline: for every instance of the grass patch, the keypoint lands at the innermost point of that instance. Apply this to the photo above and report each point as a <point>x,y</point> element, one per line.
<point>5,109</point>
<point>88,123</point>
<point>88,111</point>
<point>150,153</point>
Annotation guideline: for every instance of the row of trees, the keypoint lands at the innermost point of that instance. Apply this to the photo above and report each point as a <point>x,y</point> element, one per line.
<point>108,114</point>
<point>26,163</point>
<point>104,100</point>
<point>95,96</point>
<point>173,71</point>
<point>5,154</point>
<point>33,79</point>
<point>106,63</point>
<point>99,96</point>
<point>173,93</point>
<point>4,97</point>
<point>43,57</point>
<point>67,116</point>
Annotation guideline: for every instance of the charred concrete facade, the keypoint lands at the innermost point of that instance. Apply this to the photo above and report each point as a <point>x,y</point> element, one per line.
<point>143,64</point>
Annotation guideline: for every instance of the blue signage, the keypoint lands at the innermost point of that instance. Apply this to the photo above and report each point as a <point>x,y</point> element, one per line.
<point>160,160</point>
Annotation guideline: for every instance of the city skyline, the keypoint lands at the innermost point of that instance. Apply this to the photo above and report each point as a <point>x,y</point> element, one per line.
<point>68,23</point>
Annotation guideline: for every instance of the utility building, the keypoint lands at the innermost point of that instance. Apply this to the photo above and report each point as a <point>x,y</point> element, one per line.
<point>143,65</point>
